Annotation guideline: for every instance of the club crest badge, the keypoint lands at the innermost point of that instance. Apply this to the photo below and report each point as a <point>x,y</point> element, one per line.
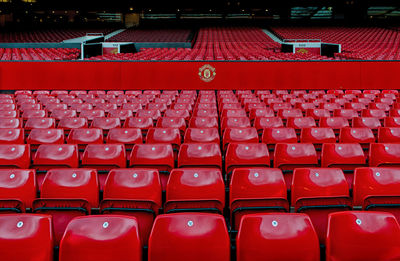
<point>207,73</point>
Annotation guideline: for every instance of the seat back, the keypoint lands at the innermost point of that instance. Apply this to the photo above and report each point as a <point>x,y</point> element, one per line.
<point>15,156</point>
<point>384,155</point>
<point>101,238</point>
<point>271,234</point>
<point>189,236</point>
<point>203,155</point>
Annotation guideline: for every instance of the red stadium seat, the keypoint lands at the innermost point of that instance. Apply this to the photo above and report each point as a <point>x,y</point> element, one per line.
<point>102,237</point>
<point>239,155</point>
<point>154,156</point>
<point>60,114</point>
<point>272,136</point>
<point>10,123</point>
<point>9,114</point>
<point>234,122</point>
<point>45,136</point>
<point>336,123</point>
<point>356,236</point>
<point>366,122</point>
<point>34,114</point>
<point>15,156</point>
<point>318,113</point>
<point>12,136</point>
<point>72,123</point>
<point>256,190</point>
<point>239,135</point>
<point>164,135</point>
<point>345,113</point>
<point>373,113</point>
<point>103,158</point>
<point>389,134</point>
<point>387,122</point>
<point>126,136</point>
<point>290,113</point>
<point>300,123</point>
<point>346,156</point>
<point>288,157</point>
<point>204,155</point>
<point>26,237</point>
<point>65,194</point>
<point>317,136</point>
<point>363,136</point>
<point>168,122</point>
<point>17,190</point>
<point>189,236</point>
<point>40,123</point>
<point>142,123</point>
<point>49,156</point>
<point>106,123</point>
<point>264,123</point>
<point>122,114</point>
<point>384,155</point>
<point>202,135</point>
<point>91,114</point>
<point>153,114</point>
<point>133,192</point>
<point>85,136</point>
<point>195,190</point>
<point>318,192</point>
<point>203,122</point>
<point>270,235</point>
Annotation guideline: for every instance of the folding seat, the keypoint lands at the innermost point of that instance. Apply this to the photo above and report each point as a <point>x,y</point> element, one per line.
<point>378,189</point>
<point>300,123</point>
<point>116,93</point>
<point>104,237</point>
<point>172,122</point>
<point>345,113</point>
<point>232,106</point>
<point>142,123</point>
<point>205,113</point>
<point>9,114</point>
<point>162,107</point>
<point>336,123</point>
<point>56,106</point>
<point>133,192</point>
<point>354,106</point>
<point>103,158</point>
<point>96,92</point>
<point>289,113</point>
<point>363,136</point>
<point>165,135</point>
<point>379,106</point>
<point>45,136</point>
<point>202,135</point>
<point>12,136</point>
<point>182,106</point>
<point>258,113</point>
<point>153,114</point>
<point>189,236</point>
<point>14,156</point>
<point>318,113</point>
<point>126,136</point>
<point>394,113</point>
<point>17,190</point>
<point>39,123</point>
<point>240,155</point>
<point>272,136</point>
<point>83,137</point>
<point>134,107</point>
<point>359,235</point>
<point>106,123</point>
<point>177,114</point>
<point>380,114</point>
<point>239,135</point>
<point>256,190</point>
<point>226,113</point>
<point>389,134</point>
<point>27,114</point>
<point>203,122</point>
<point>304,106</point>
<point>255,106</point>
<point>200,155</point>
<point>26,237</point>
<point>384,155</point>
<point>288,157</point>
<point>234,122</point>
<point>79,107</point>
<point>121,114</point>
<point>387,122</point>
<point>367,122</point>
<point>66,194</point>
<point>71,101</point>
<point>281,106</point>
<point>209,105</point>
<point>72,123</point>
<point>317,136</point>
<point>263,123</point>
<point>330,106</point>
<point>133,92</point>
<point>91,114</point>
<point>195,190</point>
<point>154,156</point>
<point>318,192</point>
<point>269,235</point>
<point>165,100</point>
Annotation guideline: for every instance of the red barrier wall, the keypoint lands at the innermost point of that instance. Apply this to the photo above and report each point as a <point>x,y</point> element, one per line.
<point>185,75</point>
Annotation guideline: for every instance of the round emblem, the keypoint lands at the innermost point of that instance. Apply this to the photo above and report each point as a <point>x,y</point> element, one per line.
<point>207,73</point>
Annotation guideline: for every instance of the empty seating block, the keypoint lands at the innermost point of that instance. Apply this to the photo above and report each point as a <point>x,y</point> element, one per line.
<point>26,237</point>
<point>101,238</point>
<point>357,236</point>
<point>270,235</point>
<point>194,190</point>
<point>256,190</point>
<point>189,236</point>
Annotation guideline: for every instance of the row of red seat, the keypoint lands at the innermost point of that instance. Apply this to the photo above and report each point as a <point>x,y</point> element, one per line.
<point>152,35</point>
<point>251,190</point>
<point>39,54</point>
<point>200,236</point>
